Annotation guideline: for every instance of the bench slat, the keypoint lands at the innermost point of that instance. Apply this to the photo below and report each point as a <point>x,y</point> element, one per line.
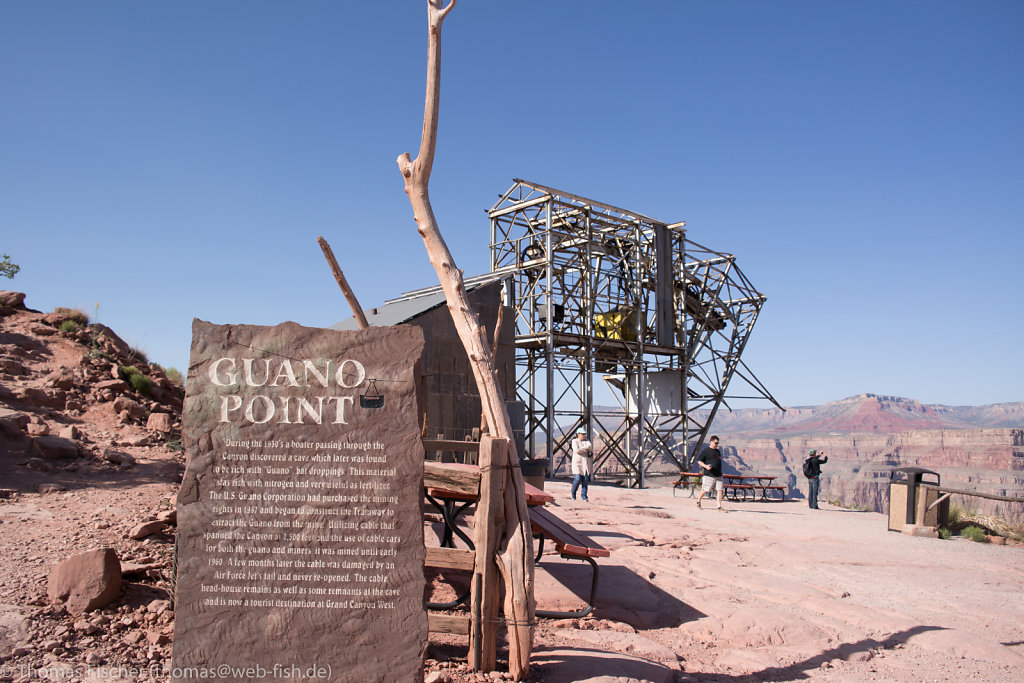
<point>450,558</point>
<point>455,624</point>
<point>566,538</point>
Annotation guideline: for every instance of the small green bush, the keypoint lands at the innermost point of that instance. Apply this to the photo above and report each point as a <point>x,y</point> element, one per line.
<point>141,384</point>
<point>974,533</point>
<point>70,326</point>
<point>944,533</point>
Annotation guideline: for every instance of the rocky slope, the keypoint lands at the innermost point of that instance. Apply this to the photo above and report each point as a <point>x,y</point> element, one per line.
<point>87,461</point>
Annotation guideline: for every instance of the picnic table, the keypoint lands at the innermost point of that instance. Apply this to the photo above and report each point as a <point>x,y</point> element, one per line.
<point>737,486</point>
<point>569,542</point>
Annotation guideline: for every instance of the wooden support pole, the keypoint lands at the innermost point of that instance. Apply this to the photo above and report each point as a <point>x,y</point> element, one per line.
<point>353,302</point>
<point>515,558</point>
<point>488,524</point>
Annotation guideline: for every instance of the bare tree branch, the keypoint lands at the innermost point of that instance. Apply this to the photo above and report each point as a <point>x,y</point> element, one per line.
<point>515,558</point>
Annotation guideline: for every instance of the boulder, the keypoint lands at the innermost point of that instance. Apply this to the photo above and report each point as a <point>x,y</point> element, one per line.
<point>114,385</point>
<point>41,330</point>
<point>13,422</point>
<point>64,378</point>
<point>135,410</point>
<point>12,367</point>
<point>39,465</point>
<point>109,338</point>
<point>55,398</point>
<point>160,422</point>
<point>70,432</point>
<point>12,299</point>
<point>54,448</point>
<point>140,531</point>
<point>87,581</point>
<point>168,516</point>
<point>118,457</point>
<point>37,429</point>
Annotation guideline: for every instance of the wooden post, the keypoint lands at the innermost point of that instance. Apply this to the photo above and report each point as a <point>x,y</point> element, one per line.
<point>515,559</point>
<point>353,302</point>
<point>488,523</point>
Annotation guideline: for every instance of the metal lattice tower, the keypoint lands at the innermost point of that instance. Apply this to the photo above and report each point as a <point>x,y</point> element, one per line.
<point>601,291</point>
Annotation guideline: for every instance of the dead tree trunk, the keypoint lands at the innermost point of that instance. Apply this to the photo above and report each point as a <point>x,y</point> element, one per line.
<point>515,558</point>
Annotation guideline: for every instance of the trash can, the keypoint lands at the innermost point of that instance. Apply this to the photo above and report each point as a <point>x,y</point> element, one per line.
<point>912,499</point>
<point>534,471</point>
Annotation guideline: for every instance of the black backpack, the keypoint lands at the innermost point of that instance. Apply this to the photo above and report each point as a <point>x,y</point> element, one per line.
<point>808,468</point>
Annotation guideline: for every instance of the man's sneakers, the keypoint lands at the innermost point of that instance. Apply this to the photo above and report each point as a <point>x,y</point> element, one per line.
<point>721,509</point>
<point>698,504</point>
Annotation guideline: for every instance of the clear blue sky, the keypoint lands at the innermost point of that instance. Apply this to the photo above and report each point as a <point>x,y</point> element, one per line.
<point>864,161</point>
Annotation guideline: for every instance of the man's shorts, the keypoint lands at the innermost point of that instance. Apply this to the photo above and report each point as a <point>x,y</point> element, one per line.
<point>709,483</point>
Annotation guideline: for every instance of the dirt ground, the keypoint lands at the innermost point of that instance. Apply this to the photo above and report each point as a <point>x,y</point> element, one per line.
<point>776,592</point>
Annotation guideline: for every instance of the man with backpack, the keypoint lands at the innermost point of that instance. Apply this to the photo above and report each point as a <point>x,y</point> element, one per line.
<point>812,470</point>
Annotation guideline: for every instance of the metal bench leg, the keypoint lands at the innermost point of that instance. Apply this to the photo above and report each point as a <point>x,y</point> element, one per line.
<point>578,614</point>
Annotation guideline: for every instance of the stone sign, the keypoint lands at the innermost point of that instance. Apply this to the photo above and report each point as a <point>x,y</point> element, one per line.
<point>300,539</point>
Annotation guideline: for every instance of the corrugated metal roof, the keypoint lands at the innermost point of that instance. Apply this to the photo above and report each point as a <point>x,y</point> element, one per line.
<point>412,304</point>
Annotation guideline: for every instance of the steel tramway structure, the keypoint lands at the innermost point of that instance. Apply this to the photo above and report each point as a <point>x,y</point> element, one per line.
<point>601,291</point>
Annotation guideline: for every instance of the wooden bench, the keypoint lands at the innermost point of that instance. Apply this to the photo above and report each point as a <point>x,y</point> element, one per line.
<point>572,544</point>
<point>687,480</point>
<point>739,491</point>
<point>780,489</point>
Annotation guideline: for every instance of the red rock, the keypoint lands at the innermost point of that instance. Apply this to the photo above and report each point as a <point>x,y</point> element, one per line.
<point>118,458</point>
<point>87,581</point>
<point>115,385</point>
<point>12,299</point>
<point>70,432</point>
<point>13,422</point>
<point>168,516</point>
<point>134,409</point>
<point>55,448</point>
<point>146,529</point>
<point>160,422</point>
<point>34,429</point>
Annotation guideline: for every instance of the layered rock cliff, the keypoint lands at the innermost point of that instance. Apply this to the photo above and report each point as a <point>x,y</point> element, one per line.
<point>867,436</point>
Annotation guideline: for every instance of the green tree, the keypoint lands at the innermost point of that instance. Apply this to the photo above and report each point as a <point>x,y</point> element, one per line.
<point>8,269</point>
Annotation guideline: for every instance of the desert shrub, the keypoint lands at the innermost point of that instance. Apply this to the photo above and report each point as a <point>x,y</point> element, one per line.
<point>848,506</point>
<point>100,353</point>
<point>75,314</point>
<point>974,533</point>
<point>70,326</point>
<point>174,374</point>
<point>141,384</point>
<point>171,373</point>
<point>944,533</point>
<point>138,381</point>
<point>138,355</point>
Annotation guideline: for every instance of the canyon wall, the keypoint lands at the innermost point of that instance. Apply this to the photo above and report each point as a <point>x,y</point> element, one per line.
<point>859,465</point>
